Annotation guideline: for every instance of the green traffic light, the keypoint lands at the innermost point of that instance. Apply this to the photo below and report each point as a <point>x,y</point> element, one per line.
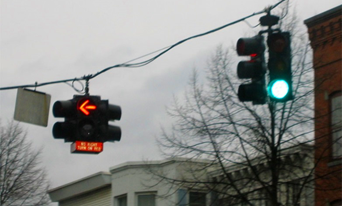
<point>278,89</point>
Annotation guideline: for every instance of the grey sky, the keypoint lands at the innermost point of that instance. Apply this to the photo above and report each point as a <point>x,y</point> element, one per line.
<point>45,40</point>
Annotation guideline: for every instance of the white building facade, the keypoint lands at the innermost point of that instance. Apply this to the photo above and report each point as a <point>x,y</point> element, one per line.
<point>174,182</point>
<point>132,184</point>
<point>139,184</point>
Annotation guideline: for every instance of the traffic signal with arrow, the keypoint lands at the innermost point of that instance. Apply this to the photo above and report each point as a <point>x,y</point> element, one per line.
<point>279,65</point>
<point>253,69</point>
<point>88,116</point>
<point>86,119</point>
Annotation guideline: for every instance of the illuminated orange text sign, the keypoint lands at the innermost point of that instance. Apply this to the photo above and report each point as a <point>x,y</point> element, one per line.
<point>86,147</point>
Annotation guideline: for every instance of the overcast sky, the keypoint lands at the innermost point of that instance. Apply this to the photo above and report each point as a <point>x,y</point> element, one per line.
<point>45,40</point>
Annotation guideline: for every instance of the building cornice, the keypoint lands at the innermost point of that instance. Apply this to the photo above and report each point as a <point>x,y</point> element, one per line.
<point>325,28</point>
<point>323,17</point>
<point>81,186</point>
<point>159,163</point>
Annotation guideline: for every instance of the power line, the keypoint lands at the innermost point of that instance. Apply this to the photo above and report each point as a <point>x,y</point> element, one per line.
<point>146,62</point>
<point>176,44</point>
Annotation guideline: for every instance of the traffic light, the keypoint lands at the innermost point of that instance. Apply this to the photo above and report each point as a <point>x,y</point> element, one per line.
<point>88,116</point>
<point>109,112</point>
<point>65,130</point>
<point>279,65</point>
<point>86,119</point>
<point>253,69</point>
<point>93,117</point>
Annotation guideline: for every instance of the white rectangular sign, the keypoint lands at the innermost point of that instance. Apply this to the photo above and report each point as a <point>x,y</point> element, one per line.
<point>32,107</point>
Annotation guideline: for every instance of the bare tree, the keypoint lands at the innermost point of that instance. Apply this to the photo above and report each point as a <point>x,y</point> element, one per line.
<point>249,146</point>
<point>22,179</point>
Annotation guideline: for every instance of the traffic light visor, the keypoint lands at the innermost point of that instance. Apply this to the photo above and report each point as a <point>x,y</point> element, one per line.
<point>240,47</point>
<point>114,112</point>
<point>63,108</point>
<point>251,92</point>
<point>63,130</point>
<point>114,133</point>
<point>250,46</point>
<point>250,69</point>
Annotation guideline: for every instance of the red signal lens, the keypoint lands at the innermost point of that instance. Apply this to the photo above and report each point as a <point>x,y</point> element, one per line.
<point>86,106</point>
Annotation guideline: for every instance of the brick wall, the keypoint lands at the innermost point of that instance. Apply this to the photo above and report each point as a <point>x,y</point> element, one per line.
<point>325,35</point>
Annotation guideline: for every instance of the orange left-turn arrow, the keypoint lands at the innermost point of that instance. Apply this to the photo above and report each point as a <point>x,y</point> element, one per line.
<point>85,107</point>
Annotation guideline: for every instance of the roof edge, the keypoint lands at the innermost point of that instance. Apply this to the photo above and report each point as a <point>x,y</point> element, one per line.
<point>79,180</point>
<point>135,164</point>
<point>324,15</point>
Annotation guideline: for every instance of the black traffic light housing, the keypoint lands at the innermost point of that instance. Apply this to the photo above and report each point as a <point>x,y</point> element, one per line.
<point>109,112</point>
<point>279,65</point>
<point>253,69</point>
<point>88,116</point>
<point>86,119</point>
<point>65,130</point>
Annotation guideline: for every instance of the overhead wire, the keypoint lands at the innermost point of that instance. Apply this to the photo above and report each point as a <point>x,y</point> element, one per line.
<point>148,61</point>
<point>140,64</point>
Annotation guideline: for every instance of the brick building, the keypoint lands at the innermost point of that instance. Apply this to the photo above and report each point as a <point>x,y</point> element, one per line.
<point>325,34</point>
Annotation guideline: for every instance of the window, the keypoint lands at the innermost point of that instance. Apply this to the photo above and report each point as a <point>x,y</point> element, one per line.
<point>121,201</point>
<point>197,199</point>
<point>146,199</point>
<point>186,198</point>
<point>292,191</point>
<point>336,124</point>
<point>182,197</point>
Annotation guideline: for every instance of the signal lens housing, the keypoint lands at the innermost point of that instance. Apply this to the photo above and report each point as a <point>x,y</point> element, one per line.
<point>278,89</point>
<point>279,66</point>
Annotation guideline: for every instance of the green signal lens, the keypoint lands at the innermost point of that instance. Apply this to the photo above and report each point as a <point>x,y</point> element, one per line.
<point>278,89</point>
